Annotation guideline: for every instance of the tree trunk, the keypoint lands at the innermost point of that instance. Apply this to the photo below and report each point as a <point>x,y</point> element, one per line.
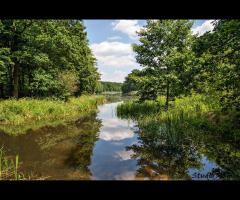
<point>1,91</point>
<point>29,83</point>
<point>21,86</point>
<point>167,96</point>
<point>15,80</point>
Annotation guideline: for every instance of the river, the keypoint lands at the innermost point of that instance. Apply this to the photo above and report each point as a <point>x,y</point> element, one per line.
<point>104,147</point>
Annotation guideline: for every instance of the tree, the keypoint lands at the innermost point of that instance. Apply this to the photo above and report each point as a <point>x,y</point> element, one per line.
<point>33,51</point>
<point>164,47</point>
<point>130,84</point>
<point>219,62</point>
<point>165,151</point>
<point>106,86</point>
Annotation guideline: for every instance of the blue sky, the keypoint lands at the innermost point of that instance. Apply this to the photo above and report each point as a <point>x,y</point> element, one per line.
<point>111,40</point>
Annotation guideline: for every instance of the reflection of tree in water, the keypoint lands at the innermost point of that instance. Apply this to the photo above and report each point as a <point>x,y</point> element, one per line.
<point>226,154</point>
<point>164,152</point>
<point>80,156</point>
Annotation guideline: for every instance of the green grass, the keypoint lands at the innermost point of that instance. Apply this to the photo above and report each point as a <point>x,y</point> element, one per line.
<point>193,126</point>
<point>135,109</point>
<point>195,111</point>
<point>17,116</point>
<point>9,167</point>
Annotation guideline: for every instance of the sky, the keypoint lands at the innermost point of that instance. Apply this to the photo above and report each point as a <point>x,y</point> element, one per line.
<point>111,43</point>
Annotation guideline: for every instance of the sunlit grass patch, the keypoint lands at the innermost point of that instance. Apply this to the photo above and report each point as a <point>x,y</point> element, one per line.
<point>136,109</point>
<point>26,112</point>
<point>196,111</point>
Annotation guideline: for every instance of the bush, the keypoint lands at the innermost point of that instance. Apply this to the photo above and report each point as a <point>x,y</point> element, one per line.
<point>68,84</point>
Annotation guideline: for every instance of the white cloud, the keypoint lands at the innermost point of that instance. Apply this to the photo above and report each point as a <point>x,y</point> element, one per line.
<point>128,27</point>
<point>114,55</point>
<point>116,76</point>
<point>107,48</point>
<point>206,26</point>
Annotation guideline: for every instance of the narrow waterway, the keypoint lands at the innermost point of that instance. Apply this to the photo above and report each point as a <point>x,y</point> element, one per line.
<point>110,158</point>
<point>103,146</point>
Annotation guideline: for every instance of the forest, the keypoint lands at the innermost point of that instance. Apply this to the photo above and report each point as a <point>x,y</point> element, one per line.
<point>178,112</point>
<point>45,58</point>
<point>188,100</point>
<point>179,67</point>
<point>176,63</point>
<point>105,86</point>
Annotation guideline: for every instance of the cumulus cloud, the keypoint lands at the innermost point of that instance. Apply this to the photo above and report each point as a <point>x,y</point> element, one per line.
<point>116,76</point>
<point>206,26</point>
<point>129,27</point>
<point>114,55</point>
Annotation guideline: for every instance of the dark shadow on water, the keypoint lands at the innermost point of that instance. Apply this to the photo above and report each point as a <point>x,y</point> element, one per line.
<point>168,152</point>
<point>61,152</point>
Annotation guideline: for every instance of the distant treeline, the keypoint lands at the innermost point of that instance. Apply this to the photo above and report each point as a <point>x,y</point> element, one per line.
<point>105,86</point>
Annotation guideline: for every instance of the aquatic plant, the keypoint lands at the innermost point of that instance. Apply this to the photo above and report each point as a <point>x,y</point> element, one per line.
<point>9,167</point>
<point>197,111</point>
<point>16,115</point>
<point>173,141</point>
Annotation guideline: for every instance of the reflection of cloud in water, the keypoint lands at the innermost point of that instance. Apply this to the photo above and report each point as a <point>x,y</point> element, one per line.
<point>108,108</point>
<point>113,122</point>
<point>115,134</point>
<point>104,108</point>
<point>115,129</point>
<point>125,155</point>
<point>129,175</point>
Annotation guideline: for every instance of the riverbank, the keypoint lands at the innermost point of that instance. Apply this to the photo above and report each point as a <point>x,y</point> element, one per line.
<point>193,136</point>
<point>196,112</point>
<point>16,116</point>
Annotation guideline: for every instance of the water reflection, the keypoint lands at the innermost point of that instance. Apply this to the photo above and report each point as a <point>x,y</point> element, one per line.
<point>110,158</point>
<point>124,155</point>
<point>61,152</point>
<point>102,146</point>
<point>164,152</point>
<point>113,128</point>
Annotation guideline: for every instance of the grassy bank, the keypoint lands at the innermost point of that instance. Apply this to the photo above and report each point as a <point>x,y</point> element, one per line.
<point>173,141</point>
<point>19,115</point>
<point>195,111</point>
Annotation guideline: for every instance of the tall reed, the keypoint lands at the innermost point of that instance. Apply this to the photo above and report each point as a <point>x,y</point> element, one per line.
<point>9,170</point>
<point>27,112</point>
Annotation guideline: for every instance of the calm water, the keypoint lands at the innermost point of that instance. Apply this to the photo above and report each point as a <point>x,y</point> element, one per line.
<point>105,147</point>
